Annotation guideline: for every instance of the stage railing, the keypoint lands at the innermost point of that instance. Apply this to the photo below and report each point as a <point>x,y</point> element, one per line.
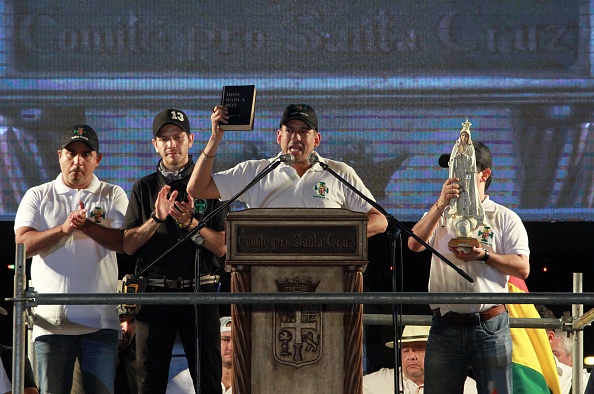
<point>27,297</point>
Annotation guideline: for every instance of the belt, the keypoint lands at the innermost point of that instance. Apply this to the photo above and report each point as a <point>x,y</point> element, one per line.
<point>181,283</point>
<point>465,319</point>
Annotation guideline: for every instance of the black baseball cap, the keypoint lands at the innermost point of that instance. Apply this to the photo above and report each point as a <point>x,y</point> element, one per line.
<point>482,155</point>
<point>302,112</point>
<point>82,133</point>
<point>171,115</point>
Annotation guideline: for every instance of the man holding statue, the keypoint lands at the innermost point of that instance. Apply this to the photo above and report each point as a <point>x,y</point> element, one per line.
<point>487,241</point>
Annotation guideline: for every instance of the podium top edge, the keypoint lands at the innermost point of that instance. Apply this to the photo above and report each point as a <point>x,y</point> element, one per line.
<point>284,213</point>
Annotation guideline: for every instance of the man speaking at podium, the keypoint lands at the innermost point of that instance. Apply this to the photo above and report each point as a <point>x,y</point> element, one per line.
<point>297,183</point>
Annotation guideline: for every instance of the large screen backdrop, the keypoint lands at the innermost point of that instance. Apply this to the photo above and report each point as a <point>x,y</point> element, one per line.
<point>391,81</point>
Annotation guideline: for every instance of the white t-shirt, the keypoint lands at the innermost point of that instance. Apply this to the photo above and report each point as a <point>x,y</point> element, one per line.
<point>382,382</point>
<point>181,383</point>
<point>565,377</point>
<point>5,385</point>
<point>284,188</point>
<point>228,391</point>
<point>502,232</point>
<point>76,264</point>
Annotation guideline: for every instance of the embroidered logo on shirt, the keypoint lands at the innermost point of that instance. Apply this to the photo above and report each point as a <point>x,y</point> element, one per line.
<point>322,190</point>
<point>200,206</point>
<point>98,213</point>
<point>486,235</point>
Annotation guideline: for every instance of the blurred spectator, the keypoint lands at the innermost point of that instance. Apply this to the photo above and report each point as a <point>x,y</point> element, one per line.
<point>562,348</point>
<point>412,379</point>
<point>6,370</point>
<point>227,354</point>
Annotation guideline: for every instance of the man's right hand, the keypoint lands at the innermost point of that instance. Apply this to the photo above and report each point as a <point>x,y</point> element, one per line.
<point>449,190</point>
<point>75,220</point>
<point>165,203</point>
<point>219,114</point>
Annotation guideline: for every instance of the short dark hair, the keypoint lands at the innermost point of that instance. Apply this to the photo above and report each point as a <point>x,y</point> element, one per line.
<point>544,312</point>
<point>483,159</point>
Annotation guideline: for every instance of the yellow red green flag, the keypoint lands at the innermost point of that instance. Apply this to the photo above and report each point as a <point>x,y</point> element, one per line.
<point>534,369</point>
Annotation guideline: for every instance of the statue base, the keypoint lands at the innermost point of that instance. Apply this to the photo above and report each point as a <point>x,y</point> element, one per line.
<point>463,242</point>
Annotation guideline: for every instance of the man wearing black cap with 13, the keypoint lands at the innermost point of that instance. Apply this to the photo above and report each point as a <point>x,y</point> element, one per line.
<point>159,214</point>
<point>472,335</point>
<point>71,228</point>
<point>292,185</point>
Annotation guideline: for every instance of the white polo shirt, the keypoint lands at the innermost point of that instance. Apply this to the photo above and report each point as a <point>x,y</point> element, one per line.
<point>5,385</point>
<point>502,232</point>
<point>284,188</point>
<point>76,264</point>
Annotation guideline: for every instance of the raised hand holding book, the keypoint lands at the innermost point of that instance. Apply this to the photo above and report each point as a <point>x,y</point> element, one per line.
<point>240,101</point>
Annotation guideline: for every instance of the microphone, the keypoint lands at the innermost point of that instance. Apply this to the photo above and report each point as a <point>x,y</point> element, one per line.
<point>287,158</point>
<point>444,160</point>
<point>313,158</point>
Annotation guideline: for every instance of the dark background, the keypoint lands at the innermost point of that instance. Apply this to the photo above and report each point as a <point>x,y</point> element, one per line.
<point>561,248</point>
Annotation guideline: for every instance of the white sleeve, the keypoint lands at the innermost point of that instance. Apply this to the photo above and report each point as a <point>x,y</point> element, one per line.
<point>5,386</point>
<point>119,207</point>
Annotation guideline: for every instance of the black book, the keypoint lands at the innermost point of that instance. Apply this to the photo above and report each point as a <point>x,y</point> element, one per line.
<point>240,101</point>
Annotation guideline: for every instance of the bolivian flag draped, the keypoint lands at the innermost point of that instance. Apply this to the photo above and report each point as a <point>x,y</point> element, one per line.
<point>534,368</point>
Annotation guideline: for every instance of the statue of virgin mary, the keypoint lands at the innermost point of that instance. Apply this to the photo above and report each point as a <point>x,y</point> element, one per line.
<point>465,212</point>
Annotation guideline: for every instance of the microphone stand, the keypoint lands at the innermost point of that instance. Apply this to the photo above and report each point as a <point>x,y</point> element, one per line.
<point>394,229</point>
<point>394,235</point>
<point>197,331</point>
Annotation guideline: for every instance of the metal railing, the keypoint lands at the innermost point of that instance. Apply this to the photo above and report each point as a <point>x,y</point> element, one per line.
<point>25,298</point>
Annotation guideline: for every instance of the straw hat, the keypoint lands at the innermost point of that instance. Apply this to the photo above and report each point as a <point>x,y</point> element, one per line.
<point>412,334</point>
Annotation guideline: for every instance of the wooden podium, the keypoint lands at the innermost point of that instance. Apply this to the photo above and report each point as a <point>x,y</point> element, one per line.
<point>297,348</point>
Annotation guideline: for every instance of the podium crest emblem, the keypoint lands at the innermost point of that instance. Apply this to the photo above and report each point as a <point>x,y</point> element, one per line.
<point>297,328</point>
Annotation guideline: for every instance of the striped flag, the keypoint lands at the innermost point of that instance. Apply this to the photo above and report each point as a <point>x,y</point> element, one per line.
<point>534,369</point>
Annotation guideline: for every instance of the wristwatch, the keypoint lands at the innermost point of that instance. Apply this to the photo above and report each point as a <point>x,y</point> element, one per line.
<point>486,256</point>
<point>198,239</point>
<point>156,219</point>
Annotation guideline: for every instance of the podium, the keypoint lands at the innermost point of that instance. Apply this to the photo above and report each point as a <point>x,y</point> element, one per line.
<point>293,348</point>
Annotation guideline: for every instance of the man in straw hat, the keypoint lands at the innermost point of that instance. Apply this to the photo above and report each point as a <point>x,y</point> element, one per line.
<point>412,352</point>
